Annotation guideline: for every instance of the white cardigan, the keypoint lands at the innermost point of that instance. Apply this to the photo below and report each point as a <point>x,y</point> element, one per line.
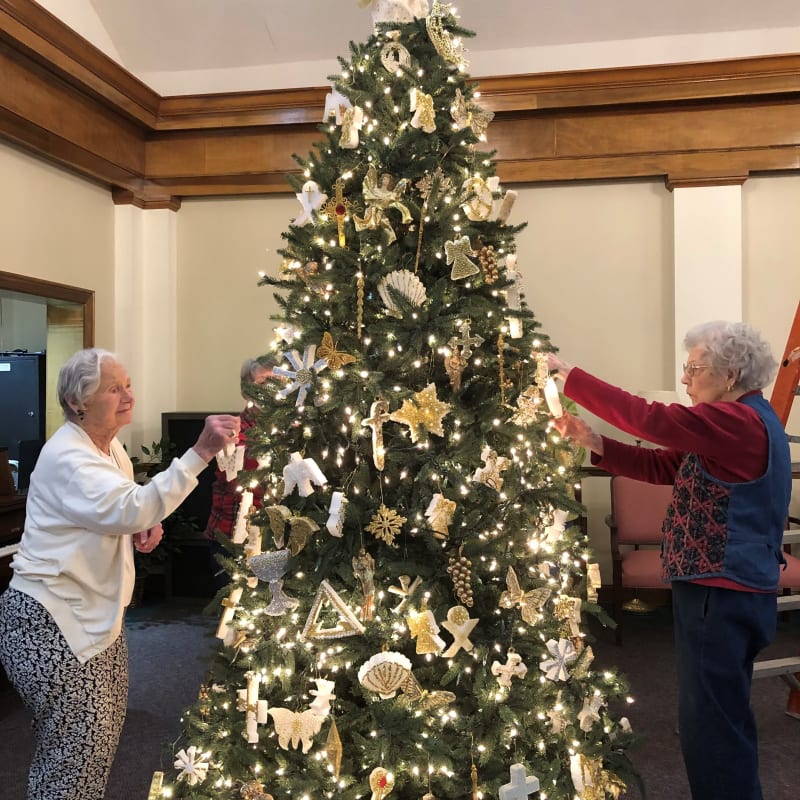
<point>76,552</point>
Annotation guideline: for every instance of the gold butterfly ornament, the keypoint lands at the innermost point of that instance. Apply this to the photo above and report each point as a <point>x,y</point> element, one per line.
<point>335,358</point>
<point>530,603</point>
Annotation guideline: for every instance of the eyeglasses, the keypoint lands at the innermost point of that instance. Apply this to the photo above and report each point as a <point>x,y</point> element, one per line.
<point>689,370</point>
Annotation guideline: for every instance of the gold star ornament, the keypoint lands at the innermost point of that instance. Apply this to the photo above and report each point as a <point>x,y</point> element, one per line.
<point>423,413</point>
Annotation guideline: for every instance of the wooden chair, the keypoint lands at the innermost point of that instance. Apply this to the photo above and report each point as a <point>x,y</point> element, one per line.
<point>637,512</point>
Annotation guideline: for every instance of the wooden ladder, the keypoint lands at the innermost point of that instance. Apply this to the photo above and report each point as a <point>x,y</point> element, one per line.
<point>783,394</point>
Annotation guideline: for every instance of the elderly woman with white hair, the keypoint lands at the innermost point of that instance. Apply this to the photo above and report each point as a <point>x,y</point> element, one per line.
<point>62,639</point>
<point>727,457</point>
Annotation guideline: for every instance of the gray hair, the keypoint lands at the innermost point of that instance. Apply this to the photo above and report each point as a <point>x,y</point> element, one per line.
<point>79,378</point>
<point>248,367</point>
<point>247,374</point>
<point>738,347</point>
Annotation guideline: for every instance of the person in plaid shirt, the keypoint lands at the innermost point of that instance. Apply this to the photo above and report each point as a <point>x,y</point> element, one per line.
<point>224,495</point>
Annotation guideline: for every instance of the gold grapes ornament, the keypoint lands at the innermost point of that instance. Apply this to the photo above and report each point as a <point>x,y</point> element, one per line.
<point>460,570</point>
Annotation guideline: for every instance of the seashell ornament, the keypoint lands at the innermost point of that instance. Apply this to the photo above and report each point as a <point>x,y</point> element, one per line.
<point>407,285</point>
<point>385,673</point>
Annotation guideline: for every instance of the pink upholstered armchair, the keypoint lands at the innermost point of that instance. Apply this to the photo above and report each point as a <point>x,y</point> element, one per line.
<point>637,512</point>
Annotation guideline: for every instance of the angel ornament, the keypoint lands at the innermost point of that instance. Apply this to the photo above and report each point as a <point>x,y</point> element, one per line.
<point>352,122</point>
<point>396,10</point>
<point>379,196</point>
<point>490,473</point>
<point>454,365</point>
<point>364,569</point>
<point>478,197</point>
<point>424,628</point>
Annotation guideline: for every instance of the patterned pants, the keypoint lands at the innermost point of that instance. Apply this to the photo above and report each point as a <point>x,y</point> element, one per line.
<point>78,709</point>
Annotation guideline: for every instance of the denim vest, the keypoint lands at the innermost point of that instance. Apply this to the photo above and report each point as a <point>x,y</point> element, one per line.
<point>716,529</point>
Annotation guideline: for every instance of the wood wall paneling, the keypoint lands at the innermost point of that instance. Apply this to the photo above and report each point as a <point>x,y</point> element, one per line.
<point>689,123</point>
<point>43,38</point>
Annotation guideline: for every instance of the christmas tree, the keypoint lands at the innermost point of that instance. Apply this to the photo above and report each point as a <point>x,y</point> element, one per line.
<point>406,613</point>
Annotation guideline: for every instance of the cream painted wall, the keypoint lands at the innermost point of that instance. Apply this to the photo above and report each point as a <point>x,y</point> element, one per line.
<point>58,227</point>
<point>597,262</point>
<point>771,290</point>
<point>223,316</point>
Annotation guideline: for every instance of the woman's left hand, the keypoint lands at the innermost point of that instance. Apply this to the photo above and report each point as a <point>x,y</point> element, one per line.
<point>147,541</point>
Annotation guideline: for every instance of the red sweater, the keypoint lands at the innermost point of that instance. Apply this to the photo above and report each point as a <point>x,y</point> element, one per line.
<point>225,494</point>
<point>729,438</point>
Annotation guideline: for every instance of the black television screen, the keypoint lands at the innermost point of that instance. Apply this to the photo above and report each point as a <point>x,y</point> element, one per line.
<point>181,429</point>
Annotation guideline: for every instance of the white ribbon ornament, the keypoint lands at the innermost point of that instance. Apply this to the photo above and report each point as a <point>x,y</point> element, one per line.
<point>563,652</point>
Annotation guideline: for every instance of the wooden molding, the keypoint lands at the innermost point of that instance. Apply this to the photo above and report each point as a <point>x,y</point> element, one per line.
<point>146,196</point>
<point>58,291</point>
<point>696,124</point>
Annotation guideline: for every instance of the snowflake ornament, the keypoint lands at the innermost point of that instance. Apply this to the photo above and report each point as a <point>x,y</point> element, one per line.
<point>192,769</point>
<point>304,374</point>
<point>386,525</point>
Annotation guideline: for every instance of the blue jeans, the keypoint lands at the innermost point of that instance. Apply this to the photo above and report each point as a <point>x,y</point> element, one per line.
<point>718,634</point>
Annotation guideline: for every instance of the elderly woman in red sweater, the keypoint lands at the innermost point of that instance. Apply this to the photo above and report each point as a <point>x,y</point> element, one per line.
<point>727,457</point>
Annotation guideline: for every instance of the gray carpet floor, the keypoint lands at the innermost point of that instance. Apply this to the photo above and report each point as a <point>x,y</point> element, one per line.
<point>170,645</point>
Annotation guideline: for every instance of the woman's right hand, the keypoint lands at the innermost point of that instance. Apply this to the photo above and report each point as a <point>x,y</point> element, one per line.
<point>219,430</point>
<point>572,427</point>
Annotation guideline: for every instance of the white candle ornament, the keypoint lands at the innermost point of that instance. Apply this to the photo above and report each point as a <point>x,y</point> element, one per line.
<point>240,526</point>
<point>552,397</point>
<point>336,513</point>
<point>256,711</point>
<point>229,604</point>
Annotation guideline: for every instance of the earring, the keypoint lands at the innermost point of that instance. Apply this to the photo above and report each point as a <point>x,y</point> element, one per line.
<point>81,414</point>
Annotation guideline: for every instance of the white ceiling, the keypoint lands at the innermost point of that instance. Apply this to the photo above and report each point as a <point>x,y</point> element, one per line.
<point>159,39</point>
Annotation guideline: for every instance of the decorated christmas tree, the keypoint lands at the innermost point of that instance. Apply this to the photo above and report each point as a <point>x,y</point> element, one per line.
<point>406,616</point>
